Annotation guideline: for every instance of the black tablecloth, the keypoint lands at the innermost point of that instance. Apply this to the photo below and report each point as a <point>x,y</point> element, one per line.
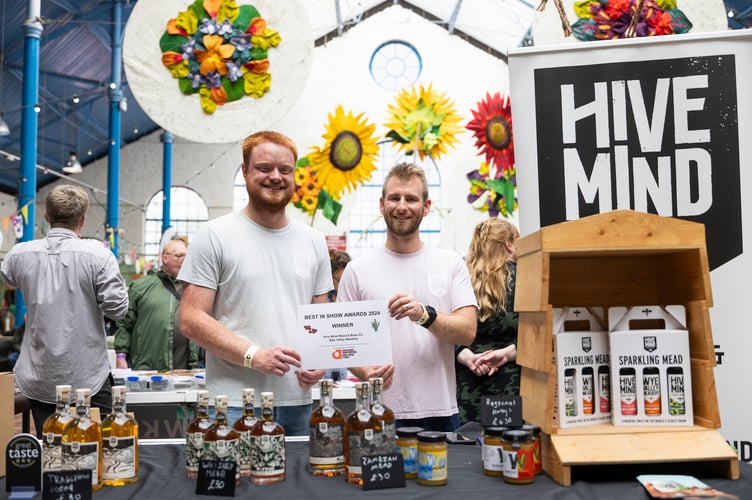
<point>162,476</point>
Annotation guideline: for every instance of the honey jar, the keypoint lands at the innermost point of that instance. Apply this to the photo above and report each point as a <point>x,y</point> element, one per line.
<point>407,445</point>
<point>432,458</point>
<point>492,451</point>
<point>519,466</point>
<point>535,436</point>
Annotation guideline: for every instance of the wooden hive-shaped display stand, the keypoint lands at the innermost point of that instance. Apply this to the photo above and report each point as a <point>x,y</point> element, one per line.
<point>620,258</point>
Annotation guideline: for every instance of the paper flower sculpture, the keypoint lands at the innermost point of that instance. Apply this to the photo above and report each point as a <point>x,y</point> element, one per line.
<point>348,156</point>
<point>492,129</point>
<point>610,19</point>
<point>219,51</point>
<point>493,189</point>
<point>424,120</point>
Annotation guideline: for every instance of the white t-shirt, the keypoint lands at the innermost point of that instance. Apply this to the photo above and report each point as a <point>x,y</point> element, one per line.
<point>260,275</point>
<point>424,382</point>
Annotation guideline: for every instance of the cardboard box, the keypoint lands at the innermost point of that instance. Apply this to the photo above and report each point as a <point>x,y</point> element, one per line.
<point>582,364</point>
<point>650,366</point>
<point>7,415</point>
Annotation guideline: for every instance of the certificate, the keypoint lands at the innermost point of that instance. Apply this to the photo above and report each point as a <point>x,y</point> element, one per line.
<point>344,334</point>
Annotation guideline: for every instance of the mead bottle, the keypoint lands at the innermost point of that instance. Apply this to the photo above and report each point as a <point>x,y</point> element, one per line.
<point>52,431</point>
<point>82,440</point>
<point>326,430</point>
<point>221,442</point>
<point>386,439</point>
<point>119,443</point>
<point>194,434</point>
<point>244,425</point>
<point>361,427</point>
<point>268,460</point>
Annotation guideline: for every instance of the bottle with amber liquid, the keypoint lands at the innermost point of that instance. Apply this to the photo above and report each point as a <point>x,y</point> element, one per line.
<point>386,439</point>
<point>194,435</point>
<point>119,443</point>
<point>244,425</point>
<point>52,431</point>
<point>222,442</point>
<point>361,428</point>
<point>268,453</point>
<point>326,435</point>
<point>82,440</point>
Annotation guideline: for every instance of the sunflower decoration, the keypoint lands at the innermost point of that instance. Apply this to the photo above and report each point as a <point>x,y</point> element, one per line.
<point>493,185</point>
<point>307,187</point>
<point>348,156</point>
<point>218,50</point>
<point>493,190</point>
<point>492,128</point>
<point>424,120</point>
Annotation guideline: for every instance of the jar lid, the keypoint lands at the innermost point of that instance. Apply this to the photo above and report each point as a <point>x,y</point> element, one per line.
<point>156,378</point>
<point>533,429</point>
<point>515,435</point>
<point>494,431</point>
<point>132,378</point>
<point>431,436</point>
<point>200,376</point>
<point>408,431</point>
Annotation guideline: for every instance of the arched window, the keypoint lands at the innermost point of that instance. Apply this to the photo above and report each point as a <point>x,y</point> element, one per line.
<point>187,212</point>
<point>366,228</point>
<point>239,191</point>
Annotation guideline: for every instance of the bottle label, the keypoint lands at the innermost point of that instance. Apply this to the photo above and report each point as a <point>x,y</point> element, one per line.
<point>587,393</point>
<point>82,456</point>
<point>244,453</point>
<point>570,401</point>
<point>194,446</point>
<point>52,452</point>
<point>360,444</point>
<point>223,449</point>
<point>409,458</point>
<point>628,391</point>
<point>386,439</point>
<point>519,464</point>
<point>268,455</point>
<point>604,385</point>
<point>676,403</point>
<point>493,458</point>
<point>326,444</point>
<point>432,465</point>
<point>651,383</point>
<point>118,458</point>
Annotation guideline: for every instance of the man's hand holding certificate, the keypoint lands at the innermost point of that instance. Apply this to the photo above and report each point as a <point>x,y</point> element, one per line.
<point>344,334</point>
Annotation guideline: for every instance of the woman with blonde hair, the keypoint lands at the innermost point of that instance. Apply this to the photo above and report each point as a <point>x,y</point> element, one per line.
<point>487,366</point>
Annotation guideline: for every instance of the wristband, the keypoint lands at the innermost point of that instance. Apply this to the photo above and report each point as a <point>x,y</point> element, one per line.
<point>423,318</point>
<point>432,314</point>
<point>249,354</point>
<point>121,355</point>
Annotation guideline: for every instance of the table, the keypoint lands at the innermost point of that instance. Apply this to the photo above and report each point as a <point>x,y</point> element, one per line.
<point>162,475</point>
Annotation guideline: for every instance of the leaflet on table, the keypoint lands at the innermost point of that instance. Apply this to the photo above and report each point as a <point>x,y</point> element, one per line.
<point>344,334</point>
<point>677,486</point>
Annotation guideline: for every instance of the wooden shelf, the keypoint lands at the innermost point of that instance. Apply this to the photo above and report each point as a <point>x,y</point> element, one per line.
<point>621,258</point>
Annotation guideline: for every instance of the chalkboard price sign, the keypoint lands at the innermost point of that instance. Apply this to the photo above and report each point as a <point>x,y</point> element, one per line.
<point>501,411</point>
<point>216,477</point>
<point>66,485</point>
<point>383,471</point>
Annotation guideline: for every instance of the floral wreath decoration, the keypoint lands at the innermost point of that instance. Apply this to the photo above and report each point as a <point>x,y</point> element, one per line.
<point>493,185</point>
<point>425,121</point>
<point>219,50</point>
<point>613,19</point>
<point>346,160</point>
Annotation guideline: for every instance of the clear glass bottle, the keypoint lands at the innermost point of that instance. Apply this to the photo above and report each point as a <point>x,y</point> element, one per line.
<point>268,453</point>
<point>119,443</point>
<point>194,435</point>
<point>244,425</point>
<point>361,428</point>
<point>326,429</point>
<point>386,439</point>
<point>52,430</point>
<point>222,442</point>
<point>82,440</point>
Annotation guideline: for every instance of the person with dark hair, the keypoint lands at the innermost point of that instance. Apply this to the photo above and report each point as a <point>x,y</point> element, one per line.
<point>69,285</point>
<point>338,260</point>
<point>244,277</point>
<point>431,304</point>
<point>487,366</point>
